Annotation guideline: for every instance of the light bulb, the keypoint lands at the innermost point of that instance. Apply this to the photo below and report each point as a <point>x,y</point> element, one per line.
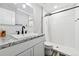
<point>55,7</point>
<point>24,6</point>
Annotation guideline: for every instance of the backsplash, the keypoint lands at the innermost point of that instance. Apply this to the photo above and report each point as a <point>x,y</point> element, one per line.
<point>11,29</point>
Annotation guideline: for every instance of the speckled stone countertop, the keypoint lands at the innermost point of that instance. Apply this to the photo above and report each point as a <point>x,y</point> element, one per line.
<point>10,41</point>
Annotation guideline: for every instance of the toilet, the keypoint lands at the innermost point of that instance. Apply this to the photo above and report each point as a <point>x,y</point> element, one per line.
<point>48,49</point>
<point>47,43</point>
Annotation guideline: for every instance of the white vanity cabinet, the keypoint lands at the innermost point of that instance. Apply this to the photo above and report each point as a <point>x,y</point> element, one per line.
<point>34,47</point>
<point>39,49</point>
<point>36,50</point>
<point>28,52</point>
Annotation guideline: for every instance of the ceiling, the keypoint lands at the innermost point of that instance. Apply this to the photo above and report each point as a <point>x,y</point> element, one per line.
<point>48,7</point>
<point>51,7</point>
<point>17,6</point>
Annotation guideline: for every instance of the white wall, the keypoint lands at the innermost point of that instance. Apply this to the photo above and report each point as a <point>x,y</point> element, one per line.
<point>77,28</point>
<point>37,13</point>
<point>61,28</point>
<point>10,29</point>
<point>45,26</point>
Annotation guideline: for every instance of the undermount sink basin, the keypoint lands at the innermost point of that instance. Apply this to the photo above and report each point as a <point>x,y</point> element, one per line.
<point>28,35</point>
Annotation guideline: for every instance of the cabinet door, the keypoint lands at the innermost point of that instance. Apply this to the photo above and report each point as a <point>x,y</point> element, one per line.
<point>28,52</point>
<point>39,49</point>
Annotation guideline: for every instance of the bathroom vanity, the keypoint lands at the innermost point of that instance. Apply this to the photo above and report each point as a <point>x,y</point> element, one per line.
<point>31,46</point>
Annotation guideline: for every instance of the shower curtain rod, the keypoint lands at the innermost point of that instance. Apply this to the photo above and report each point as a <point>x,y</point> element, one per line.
<point>49,14</point>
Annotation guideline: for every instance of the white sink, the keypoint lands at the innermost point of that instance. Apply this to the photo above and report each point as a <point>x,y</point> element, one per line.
<point>28,35</point>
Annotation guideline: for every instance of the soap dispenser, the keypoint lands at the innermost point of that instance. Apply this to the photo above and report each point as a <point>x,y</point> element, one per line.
<point>1,31</point>
<point>3,34</point>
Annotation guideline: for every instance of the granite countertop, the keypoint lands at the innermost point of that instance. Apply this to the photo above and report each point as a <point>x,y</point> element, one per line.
<point>10,41</point>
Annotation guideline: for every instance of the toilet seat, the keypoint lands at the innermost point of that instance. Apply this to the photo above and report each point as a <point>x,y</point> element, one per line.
<point>48,43</point>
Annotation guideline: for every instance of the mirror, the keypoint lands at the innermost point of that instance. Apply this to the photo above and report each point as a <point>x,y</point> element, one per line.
<point>16,13</point>
<point>6,15</point>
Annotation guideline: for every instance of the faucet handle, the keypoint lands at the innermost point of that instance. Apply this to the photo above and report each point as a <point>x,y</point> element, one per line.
<point>26,32</point>
<point>18,32</point>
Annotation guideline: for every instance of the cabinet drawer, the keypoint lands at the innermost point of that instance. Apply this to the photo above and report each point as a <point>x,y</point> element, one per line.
<point>39,49</point>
